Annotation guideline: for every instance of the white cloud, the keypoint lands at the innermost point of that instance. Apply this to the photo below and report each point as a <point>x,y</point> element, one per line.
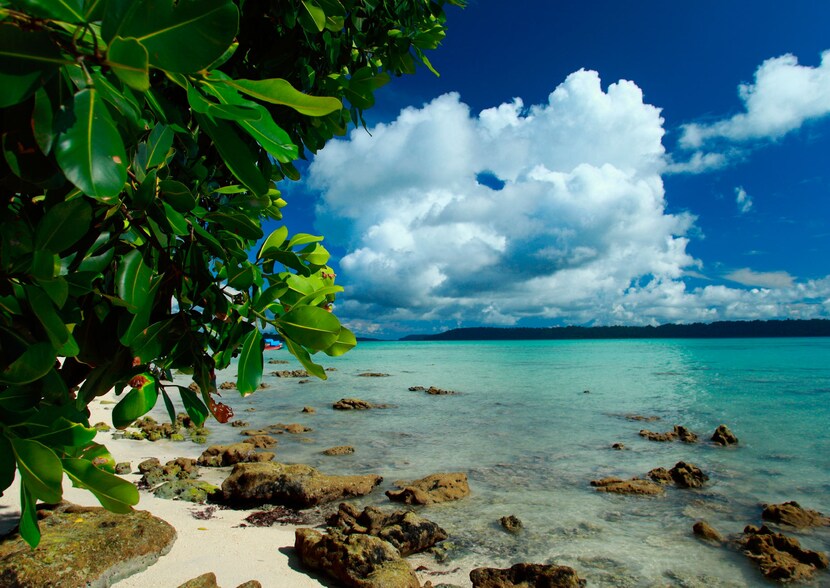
<point>579,232</point>
<point>743,200</point>
<point>748,277</point>
<point>783,97</point>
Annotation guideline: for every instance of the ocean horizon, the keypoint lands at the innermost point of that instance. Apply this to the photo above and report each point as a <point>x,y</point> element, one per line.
<point>533,423</point>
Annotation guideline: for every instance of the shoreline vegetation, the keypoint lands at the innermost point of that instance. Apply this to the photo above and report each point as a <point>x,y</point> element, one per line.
<point>716,330</point>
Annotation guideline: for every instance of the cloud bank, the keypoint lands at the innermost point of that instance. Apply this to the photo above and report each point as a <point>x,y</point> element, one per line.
<point>554,213</point>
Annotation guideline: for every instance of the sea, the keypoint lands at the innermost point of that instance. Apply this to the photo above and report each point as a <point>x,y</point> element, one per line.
<point>533,422</point>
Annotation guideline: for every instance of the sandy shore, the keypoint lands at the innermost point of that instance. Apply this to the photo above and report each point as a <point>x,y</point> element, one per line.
<point>235,554</point>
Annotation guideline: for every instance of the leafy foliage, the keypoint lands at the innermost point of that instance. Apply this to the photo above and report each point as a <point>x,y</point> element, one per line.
<point>143,142</point>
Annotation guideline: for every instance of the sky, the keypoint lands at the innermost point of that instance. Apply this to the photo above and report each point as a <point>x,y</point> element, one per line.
<point>588,163</point>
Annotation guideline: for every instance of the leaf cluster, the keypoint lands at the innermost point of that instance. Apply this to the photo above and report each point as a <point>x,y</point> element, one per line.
<point>143,142</point>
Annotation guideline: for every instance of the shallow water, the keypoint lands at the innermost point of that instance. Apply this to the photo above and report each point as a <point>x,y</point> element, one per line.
<point>533,423</point>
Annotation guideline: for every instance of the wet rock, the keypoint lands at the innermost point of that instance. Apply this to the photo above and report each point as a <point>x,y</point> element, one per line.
<point>354,561</point>
<point>511,524</point>
<point>261,441</point>
<point>256,432</point>
<point>618,446</point>
<point>153,473</point>
<point>793,514</point>
<point>524,575</point>
<point>632,486</point>
<point>239,423</point>
<point>277,361</point>
<point>296,429</point>
<point>290,374</point>
<point>705,531</point>
<point>102,426</point>
<point>188,490</point>
<point>406,531</point>
<point>780,557</point>
<point>151,430</point>
<point>352,404</point>
<point>279,515</point>
<point>227,386</point>
<point>432,489</point>
<point>687,475</point>
<point>663,437</point>
<point>339,450</point>
<point>417,389</point>
<point>685,434</point>
<point>123,467</point>
<point>661,476</point>
<point>639,417</point>
<point>723,436</point>
<point>297,485</point>
<point>227,455</point>
<point>103,547</point>
<point>434,391</point>
<point>309,410</point>
<point>373,375</point>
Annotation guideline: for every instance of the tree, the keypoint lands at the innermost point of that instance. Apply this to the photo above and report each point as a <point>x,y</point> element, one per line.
<point>143,142</point>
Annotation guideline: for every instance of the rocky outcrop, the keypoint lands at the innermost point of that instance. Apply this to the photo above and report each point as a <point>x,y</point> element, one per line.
<point>780,557</point>
<point>406,531</point>
<point>433,391</point>
<point>153,473</point>
<point>705,531</point>
<point>227,386</point>
<point>524,575</point>
<point>339,450</point>
<point>183,427</point>
<point>354,561</point>
<point>678,432</point>
<point>511,524</point>
<point>723,436</point>
<point>208,580</point>
<point>794,515</point>
<point>103,547</point>
<point>290,373</point>
<point>632,486</point>
<point>432,489</point>
<point>352,404</point>
<point>296,429</point>
<point>687,475</point>
<point>228,455</point>
<point>297,485</point>
<point>188,490</point>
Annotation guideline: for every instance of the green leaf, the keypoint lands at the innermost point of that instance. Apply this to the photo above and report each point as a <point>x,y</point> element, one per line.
<point>33,364</point>
<point>129,60</point>
<point>71,11</point>
<point>316,13</point>
<point>138,402</point>
<point>7,464</point>
<point>310,326</point>
<point>237,155</point>
<point>63,225</point>
<point>279,91</point>
<point>114,494</point>
<point>27,60</point>
<point>303,239</point>
<point>270,136</point>
<point>28,517</point>
<point>67,433</point>
<point>237,222</point>
<point>141,318</point>
<point>148,344</point>
<point>18,399</point>
<point>133,280</point>
<point>42,122</point>
<point>168,404</point>
<point>250,363</point>
<point>159,144</point>
<point>274,241</point>
<point>40,469</point>
<point>195,408</point>
<point>305,359</point>
<point>178,223</point>
<point>57,289</point>
<point>345,342</point>
<point>315,254</point>
<point>184,36</point>
<point>91,152</point>
<point>177,195</point>
<point>100,457</point>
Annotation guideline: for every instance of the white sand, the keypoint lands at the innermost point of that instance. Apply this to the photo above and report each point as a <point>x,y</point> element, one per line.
<point>217,545</point>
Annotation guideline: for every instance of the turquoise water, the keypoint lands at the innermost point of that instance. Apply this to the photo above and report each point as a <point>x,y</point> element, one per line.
<point>531,438</point>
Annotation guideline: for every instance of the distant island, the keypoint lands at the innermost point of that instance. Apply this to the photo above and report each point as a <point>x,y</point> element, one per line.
<point>717,330</point>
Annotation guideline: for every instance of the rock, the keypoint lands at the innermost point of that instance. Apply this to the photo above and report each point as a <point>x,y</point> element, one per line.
<point>148,464</point>
<point>255,432</point>
<point>687,475</point>
<point>103,548</point>
<point>102,426</point>
<point>263,386</point>
<point>208,580</point>
<point>639,417</point>
<point>123,467</point>
<point>278,515</point>
<point>373,375</point>
<point>296,429</point>
<point>780,557</point>
<point>277,361</point>
<point>239,423</point>
<point>309,410</point>
<point>723,436</point>
<point>406,531</point>
<point>227,386</point>
<point>440,391</point>
<point>632,486</point>
<point>525,575</point>
<point>417,389</point>
<point>618,446</point>
<point>352,404</point>
<point>261,441</point>
<point>652,436</point>
<point>793,514</point>
<point>661,476</point>
<point>432,489</point>
<point>296,485</point>
<point>511,524</point>
<point>227,455</point>
<point>290,374</point>
<point>705,531</point>
<point>354,561</point>
<point>188,490</point>
<point>339,450</point>
<point>685,434</point>
<point>153,473</point>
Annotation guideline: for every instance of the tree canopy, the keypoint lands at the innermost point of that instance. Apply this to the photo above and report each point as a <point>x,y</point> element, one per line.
<point>143,145</point>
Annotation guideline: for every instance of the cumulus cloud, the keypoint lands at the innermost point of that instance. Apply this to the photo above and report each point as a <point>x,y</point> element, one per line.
<point>743,200</point>
<point>748,277</point>
<point>568,222</point>
<point>784,96</point>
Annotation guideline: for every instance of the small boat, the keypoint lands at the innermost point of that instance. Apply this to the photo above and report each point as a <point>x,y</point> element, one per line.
<point>272,344</point>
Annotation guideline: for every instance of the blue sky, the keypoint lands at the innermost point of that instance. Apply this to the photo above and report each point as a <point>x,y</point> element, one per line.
<point>590,162</point>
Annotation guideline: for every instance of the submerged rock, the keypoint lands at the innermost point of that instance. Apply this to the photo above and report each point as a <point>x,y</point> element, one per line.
<point>723,436</point>
<point>432,489</point>
<point>524,575</point>
<point>373,375</point>
<point>678,432</point>
<point>406,531</point>
<point>297,485</point>
<point>793,514</point>
<point>339,450</point>
<point>352,404</point>
<point>511,524</point>
<point>354,561</point>
<point>780,557</point>
<point>84,546</point>
<point>632,486</point>
<point>309,410</point>
<point>705,531</point>
<point>687,475</point>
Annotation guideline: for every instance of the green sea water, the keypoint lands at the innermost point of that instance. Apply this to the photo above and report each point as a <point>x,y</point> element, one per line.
<point>533,423</point>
